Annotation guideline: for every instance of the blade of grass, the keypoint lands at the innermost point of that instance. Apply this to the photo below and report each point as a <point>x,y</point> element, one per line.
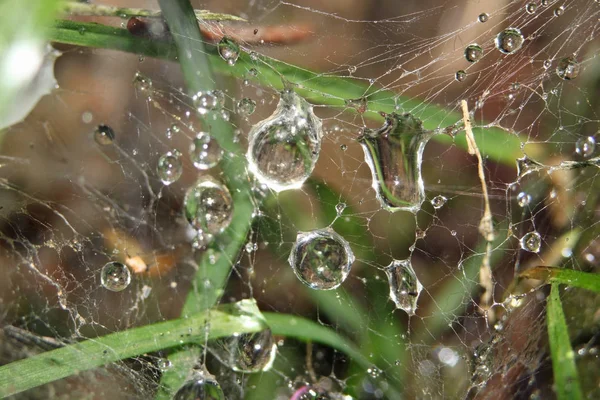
<point>566,379</point>
<point>52,365</point>
<point>584,280</point>
<point>494,143</point>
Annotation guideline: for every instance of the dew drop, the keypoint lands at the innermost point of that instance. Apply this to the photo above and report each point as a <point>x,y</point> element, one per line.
<point>283,149</point>
<point>205,102</point>
<point>405,287</point>
<point>438,201</point>
<point>509,40</point>
<point>205,151</point>
<point>394,154</point>
<point>523,199</point>
<point>568,68</point>
<point>558,11</point>
<point>531,241</point>
<point>483,17</point>
<point>164,364</point>
<point>473,53</point>
<point>246,107</point>
<point>460,75</point>
<point>321,259</point>
<point>340,207</point>
<point>228,50</point>
<point>169,167</point>
<point>115,276</point>
<point>200,389</point>
<point>142,83</point>
<point>104,135</point>
<point>531,8</point>
<point>208,206</point>
<point>251,352</point>
<point>585,146</point>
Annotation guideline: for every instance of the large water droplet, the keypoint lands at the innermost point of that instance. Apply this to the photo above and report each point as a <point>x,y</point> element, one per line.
<point>394,153</point>
<point>321,259</point>
<point>531,8</point>
<point>473,52</point>
<point>229,50</point>
<point>284,148</point>
<point>251,352</point>
<point>169,167</point>
<point>115,276</point>
<point>246,107</point>
<point>568,68</point>
<point>208,206</point>
<point>483,17</point>
<point>523,199</point>
<point>438,201</point>
<point>509,40</point>
<point>460,75</point>
<point>142,83</point>
<point>531,241</point>
<point>405,287</point>
<point>205,102</point>
<point>200,389</point>
<point>104,135</point>
<point>585,146</point>
<point>205,151</point>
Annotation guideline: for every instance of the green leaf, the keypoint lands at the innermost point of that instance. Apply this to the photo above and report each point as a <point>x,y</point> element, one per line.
<point>494,143</point>
<point>52,365</point>
<point>566,379</point>
<point>584,280</point>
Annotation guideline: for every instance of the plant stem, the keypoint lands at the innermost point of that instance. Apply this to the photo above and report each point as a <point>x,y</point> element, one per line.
<point>99,10</point>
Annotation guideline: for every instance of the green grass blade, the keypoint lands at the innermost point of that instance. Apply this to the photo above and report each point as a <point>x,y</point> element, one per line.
<point>52,365</point>
<point>566,379</point>
<point>583,280</point>
<point>494,143</point>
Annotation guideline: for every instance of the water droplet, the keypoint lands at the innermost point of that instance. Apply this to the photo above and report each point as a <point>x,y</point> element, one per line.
<point>438,201</point>
<point>208,206</point>
<point>531,241</point>
<point>164,364</point>
<point>360,105</point>
<point>104,135</point>
<point>523,199</point>
<point>473,52</point>
<point>405,287</point>
<point>205,151</point>
<point>344,147</point>
<point>547,64</point>
<point>205,102</point>
<point>531,8</point>
<point>568,68</point>
<point>585,146</point>
<point>229,50</point>
<point>115,276</point>
<point>200,389</point>
<point>394,154</point>
<point>340,207</point>
<point>509,40</point>
<point>283,149</point>
<point>142,83</point>
<point>246,107</point>
<point>250,352</point>
<point>169,167</point>
<point>483,17</point>
<point>558,11</point>
<point>321,259</point>
<point>460,75</point>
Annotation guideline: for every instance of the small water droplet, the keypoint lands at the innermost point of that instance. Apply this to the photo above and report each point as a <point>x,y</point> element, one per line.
<point>283,149</point>
<point>483,17</point>
<point>169,167</point>
<point>115,276</point>
<point>585,146</point>
<point>321,259</point>
<point>200,388</point>
<point>205,102</point>
<point>531,241</point>
<point>405,287</point>
<point>568,68</point>
<point>460,75</point>
<point>523,199</point>
<point>229,50</point>
<point>473,53</point>
<point>250,352</point>
<point>558,11</point>
<point>438,201</point>
<point>340,207</point>
<point>205,151</point>
<point>509,40</point>
<point>246,107</point>
<point>208,206</point>
<point>394,154</point>
<point>531,8</point>
<point>104,135</point>
<point>164,364</point>
<point>142,83</point>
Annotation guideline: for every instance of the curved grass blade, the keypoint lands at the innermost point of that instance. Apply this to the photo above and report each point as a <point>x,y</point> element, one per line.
<point>566,378</point>
<point>583,280</point>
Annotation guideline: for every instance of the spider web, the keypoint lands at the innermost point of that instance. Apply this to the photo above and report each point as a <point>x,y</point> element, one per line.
<point>69,205</point>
